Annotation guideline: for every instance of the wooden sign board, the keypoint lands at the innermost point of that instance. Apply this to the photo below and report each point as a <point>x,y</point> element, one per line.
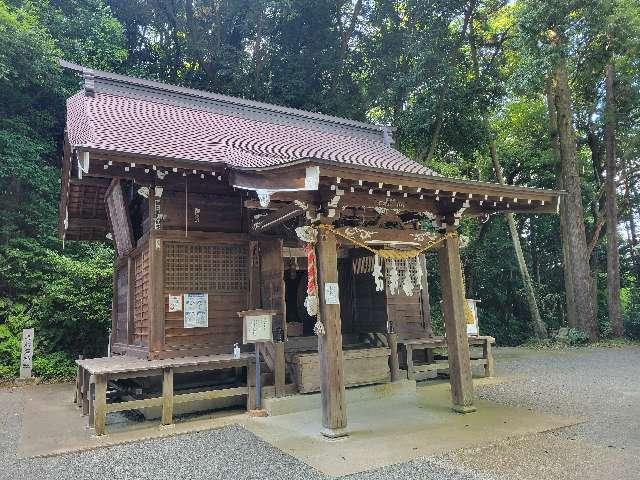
<point>26,359</point>
<point>196,310</point>
<point>257,326</point>
<point>175,303</point>
<point>119,217</point>
<point>472,328</point>
<point>331,294</point>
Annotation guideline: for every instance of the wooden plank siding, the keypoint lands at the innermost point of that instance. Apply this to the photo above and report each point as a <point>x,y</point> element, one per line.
<point>216,264</point>
<point>272,288</point>
<point>370,306</point>
<point>216,213</point>
<point>121,306</point>
<point>141,297</point>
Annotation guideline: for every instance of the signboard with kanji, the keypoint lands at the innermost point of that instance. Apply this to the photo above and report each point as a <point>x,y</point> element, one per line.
<point>26,359</point>
<point>256,326</point>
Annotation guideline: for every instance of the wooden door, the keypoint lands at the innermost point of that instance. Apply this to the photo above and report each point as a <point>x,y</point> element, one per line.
<point>272,293</point>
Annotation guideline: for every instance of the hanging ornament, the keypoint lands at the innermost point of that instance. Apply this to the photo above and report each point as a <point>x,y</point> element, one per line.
<point>418,267</point>
<point>318,328</point>
<point>378,278</point>
<point>307,234</point>
<point>393,277</point>
<point>311,304</point>
<point>407,284</point>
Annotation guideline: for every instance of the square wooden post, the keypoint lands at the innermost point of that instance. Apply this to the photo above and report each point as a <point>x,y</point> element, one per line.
<point>167,396</point>
<point>455,324</point>
<point>86,376</point>
<point>334,408</point>
<point>392,341</point>
<point>156,294</point>
<point>100,404</point>
<point>280,368</point>
<point>487,354</point>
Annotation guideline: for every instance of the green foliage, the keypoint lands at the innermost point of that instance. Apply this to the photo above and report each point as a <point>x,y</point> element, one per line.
<point>55,366</point>
<point>63,294</point>
<point>65,298</point>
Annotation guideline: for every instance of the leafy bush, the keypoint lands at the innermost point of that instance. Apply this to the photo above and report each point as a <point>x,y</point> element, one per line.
<point>56,365</point>
<point>65,297</point>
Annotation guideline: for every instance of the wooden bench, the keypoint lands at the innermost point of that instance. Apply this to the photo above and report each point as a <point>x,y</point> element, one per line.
<point>94,374</point>
<point>428,344</point>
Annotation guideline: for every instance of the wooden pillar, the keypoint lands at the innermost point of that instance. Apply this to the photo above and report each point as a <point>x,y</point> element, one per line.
<point>251,385</point>
<point>156,295</point>
<point>280,368</point>
<point>92,401</point>
<point>424,297</point>
<point>487,354</point>
<point>100,404</point>
<point>167,396</point>
<point>85,392</point>
<point>455,324</point>
<point>334,408</point>
<point>78,393</point>
<point>392,340</point>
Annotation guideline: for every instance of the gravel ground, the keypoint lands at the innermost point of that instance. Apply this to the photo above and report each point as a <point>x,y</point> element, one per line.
<point>600,385</point>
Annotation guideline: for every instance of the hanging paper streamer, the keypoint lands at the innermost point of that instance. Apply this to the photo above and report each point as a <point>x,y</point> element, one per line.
<point>407,284</point>
<point>418,267</point>
<point>378,278</point>
<point>393,277</point>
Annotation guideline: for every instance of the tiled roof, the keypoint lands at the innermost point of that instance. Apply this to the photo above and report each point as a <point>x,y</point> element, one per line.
<point>147,126</point>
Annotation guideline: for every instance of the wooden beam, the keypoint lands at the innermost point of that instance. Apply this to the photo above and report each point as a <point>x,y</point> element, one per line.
<point>332,392</point>
<point>276,218</point>
<point>293,179</point>
<point>453,298</point>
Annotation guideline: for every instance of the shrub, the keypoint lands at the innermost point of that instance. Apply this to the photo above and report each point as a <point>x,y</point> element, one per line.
<point>57,365</point>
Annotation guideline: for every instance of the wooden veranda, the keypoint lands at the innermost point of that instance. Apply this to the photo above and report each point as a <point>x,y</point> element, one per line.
<point>245,205</point>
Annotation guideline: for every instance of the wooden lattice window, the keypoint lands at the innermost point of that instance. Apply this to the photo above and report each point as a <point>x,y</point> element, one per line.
<point>205,268</point>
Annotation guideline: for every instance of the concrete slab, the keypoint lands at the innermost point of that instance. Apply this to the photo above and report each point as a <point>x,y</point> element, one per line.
<point>394,427</point>
<point>52,424</point>
<point>392,430</point>
<point>311,401</point>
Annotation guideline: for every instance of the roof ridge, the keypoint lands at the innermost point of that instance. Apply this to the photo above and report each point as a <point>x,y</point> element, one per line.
<point>383,132</point>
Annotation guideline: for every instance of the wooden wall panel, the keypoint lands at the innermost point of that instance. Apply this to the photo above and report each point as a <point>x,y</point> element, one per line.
<point>346,287</point>
<point>141,295</point>
<point>225,327</point>
<point>272,287</point>
<point>121,305</point>
<point>217,213</point>
<point>370,313</point>
<point>222,271</point>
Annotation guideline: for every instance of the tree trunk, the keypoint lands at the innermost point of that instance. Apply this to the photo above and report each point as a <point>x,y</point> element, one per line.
<point>570,299</point>
<point>576,236</point>
<point>537,325</point>
<point>613,255</point>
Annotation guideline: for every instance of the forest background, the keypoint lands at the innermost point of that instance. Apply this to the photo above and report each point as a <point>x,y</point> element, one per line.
<point>540,93</point>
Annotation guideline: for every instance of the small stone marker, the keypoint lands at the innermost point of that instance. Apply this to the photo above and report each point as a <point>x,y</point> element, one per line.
<point>26,359</point>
